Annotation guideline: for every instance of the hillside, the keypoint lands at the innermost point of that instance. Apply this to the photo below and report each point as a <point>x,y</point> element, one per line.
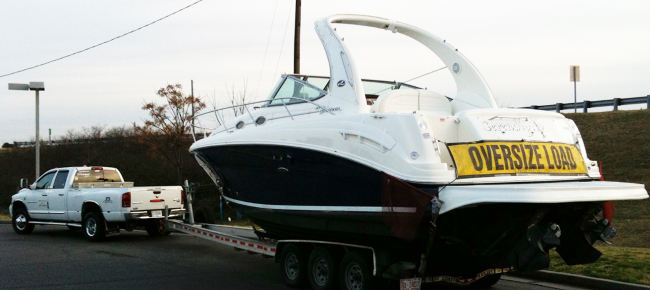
<point>621,141</point>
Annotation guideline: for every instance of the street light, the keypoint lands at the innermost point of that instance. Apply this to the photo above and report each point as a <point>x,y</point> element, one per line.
<point>33,86</point>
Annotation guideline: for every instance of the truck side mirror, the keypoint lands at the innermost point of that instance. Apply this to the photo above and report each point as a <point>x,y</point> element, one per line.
<point>23,183</point>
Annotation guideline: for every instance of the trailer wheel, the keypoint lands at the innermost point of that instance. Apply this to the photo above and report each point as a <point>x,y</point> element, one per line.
<point>93,226</point>
<point>322,269</point>
<point>293,266</point>
<point>485,282</point>
<point>20,222</point>
<point>156,229</point>
<point>356,272</point>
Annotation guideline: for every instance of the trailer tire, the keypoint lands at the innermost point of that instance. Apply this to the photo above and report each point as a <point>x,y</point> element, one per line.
<point>93,227</point>
<point>20,222</point>
<point>485,282</point>
<point>156,229</point>
<point>293,266</point>
<point>322,269</point>
<point>356,272</point>
<point>204,215</point>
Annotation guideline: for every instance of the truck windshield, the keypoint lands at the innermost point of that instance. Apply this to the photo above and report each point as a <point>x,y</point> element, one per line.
<point>102,175</point>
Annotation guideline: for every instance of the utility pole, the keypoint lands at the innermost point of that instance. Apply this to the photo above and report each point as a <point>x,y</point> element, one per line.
<point>296,40</point>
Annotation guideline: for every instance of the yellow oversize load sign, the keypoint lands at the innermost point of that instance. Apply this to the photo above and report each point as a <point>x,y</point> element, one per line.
<point>494,158</point>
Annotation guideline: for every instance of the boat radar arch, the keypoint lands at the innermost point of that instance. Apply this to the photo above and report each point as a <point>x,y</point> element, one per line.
<point>472,90</point>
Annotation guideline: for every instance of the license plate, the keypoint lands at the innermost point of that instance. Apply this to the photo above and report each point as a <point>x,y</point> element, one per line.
<point>512,158</point>
<point>410,284</point>
<point>156,213</point>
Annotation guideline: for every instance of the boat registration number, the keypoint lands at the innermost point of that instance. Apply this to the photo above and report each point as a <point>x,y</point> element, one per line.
<point>497,158</point>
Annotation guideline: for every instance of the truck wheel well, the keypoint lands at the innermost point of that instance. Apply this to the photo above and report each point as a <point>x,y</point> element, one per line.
<point>19,205</point>
<point>90,207</point>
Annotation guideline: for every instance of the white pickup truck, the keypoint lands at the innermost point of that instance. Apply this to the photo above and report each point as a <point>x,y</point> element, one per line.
<point>95,199</point>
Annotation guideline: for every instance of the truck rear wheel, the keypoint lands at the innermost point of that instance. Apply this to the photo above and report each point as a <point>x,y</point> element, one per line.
<point>293,266</point>
<point>93,226</point>
<point>356,273</point>
<point>20,222</point>
<point>322,269</point>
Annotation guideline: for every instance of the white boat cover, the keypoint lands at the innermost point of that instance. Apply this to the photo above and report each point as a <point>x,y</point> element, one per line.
<point>558,192</point>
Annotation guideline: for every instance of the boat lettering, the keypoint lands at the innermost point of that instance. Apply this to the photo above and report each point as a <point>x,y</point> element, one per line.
<point>517,126</point>
<point>492,158</point>
<point>325,110</point>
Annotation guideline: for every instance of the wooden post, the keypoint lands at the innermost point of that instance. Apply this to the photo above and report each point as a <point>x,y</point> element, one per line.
<point>296,40</point>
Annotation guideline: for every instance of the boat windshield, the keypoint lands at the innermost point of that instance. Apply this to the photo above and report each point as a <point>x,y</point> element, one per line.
<point>372,88</point>
<point>297,89</point>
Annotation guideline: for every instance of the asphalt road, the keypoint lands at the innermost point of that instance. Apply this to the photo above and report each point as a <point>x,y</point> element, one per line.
<point>58,258</point>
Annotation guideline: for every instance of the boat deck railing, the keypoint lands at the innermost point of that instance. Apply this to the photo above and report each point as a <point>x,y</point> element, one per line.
<point>266,103</point>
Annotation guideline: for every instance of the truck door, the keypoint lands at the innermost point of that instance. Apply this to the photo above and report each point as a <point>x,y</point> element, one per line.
<point>36,201</point>
<point>57,197</point>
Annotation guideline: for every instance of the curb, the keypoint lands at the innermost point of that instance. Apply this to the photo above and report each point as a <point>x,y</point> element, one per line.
<point>578,280</point>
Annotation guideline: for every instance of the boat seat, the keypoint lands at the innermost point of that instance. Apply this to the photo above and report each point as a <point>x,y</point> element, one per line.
<point>409,100</point>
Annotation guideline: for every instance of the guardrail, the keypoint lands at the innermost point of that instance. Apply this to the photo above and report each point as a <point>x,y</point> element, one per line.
<point>585,105</point>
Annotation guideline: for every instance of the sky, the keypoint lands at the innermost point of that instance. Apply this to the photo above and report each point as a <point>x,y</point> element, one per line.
<point>523,49</point>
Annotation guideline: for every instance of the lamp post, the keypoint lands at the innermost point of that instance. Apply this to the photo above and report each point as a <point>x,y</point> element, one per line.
<point>33,86</point>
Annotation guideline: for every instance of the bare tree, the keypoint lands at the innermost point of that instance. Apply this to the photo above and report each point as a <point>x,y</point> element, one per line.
<point>166,133</point>
<point>235,98</point>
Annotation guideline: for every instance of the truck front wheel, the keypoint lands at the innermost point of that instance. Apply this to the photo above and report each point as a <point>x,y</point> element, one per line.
<point>93,226</point>
<point>20,222</point>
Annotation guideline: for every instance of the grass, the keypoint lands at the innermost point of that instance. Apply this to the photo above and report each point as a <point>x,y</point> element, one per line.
<point>622,264</point>
<point>5,217</point>
<point>621,141</point>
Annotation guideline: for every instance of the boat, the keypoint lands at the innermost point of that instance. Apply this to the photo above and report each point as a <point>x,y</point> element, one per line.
<point>389,164</point>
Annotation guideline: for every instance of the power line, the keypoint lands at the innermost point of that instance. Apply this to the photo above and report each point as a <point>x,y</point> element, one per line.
<point>283,37</point>
<point>114,38</point>
<point>266,49</point>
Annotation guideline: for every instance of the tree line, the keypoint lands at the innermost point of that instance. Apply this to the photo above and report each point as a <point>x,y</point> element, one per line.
<point>149,154</point>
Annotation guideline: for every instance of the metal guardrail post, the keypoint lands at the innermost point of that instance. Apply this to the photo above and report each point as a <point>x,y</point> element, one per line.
<point>585,106</point>
<point>617,101</point>
<point>647,101</point>
<point>558,107</point>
